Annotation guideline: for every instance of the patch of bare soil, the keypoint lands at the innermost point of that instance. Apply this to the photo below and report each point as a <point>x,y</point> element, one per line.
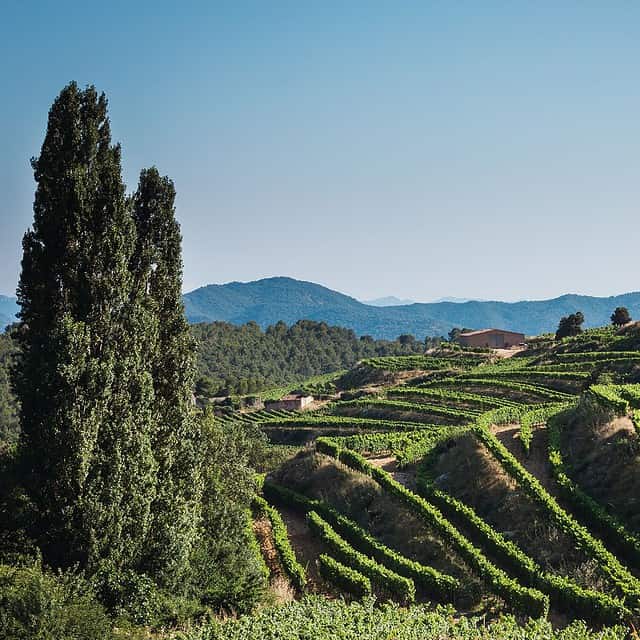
<point>280,585</point>
<point>390,465</point>
<point>307,549</point>
<point>360,498</point>
<point>604,459</point>
<point>537,462</point>
<point>508,353</point>
<point>469,472</point>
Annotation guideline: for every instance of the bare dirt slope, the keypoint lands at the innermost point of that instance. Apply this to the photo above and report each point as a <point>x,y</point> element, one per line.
<point>361,499</point>
<point>469,472</point>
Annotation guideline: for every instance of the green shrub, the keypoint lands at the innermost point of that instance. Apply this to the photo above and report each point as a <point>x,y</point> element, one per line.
<point>344,577</point>
<point>317,618</point>
<point>38,605</point>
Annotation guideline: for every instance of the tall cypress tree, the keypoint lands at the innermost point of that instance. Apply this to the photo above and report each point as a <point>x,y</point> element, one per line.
<point>157,269</point>
<point>83,382</point>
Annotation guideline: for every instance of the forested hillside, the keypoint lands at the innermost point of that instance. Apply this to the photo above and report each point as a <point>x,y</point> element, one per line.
<point>245,359</point>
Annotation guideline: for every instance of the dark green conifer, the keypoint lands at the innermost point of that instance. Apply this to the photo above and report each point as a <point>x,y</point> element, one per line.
<point>157,269</point>
<point>85,391</point>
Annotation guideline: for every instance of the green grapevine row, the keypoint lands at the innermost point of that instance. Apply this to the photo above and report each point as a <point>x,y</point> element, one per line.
<point>387,580</point>
<point>528,600</point>
<point>294,570</point>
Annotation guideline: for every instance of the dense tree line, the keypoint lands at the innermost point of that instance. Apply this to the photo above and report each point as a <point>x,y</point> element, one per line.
<point>245,359</point>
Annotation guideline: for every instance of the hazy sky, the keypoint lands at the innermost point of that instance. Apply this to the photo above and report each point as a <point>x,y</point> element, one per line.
<point>419,149</point>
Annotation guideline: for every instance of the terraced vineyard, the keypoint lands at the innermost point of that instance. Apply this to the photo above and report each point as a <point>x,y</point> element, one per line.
<point>471,489</point>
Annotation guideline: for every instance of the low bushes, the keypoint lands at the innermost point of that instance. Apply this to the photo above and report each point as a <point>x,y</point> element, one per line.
<point>448,395</point>
<point>318,618</point>
<point>619,398</point>
<point>608,396</point>
<point>569,595</point>
<point>344,577</point>
<point>432,409</point>
<point>528,600</point>
<point>342,421</point>
<point>388,580</point>
<point>439,585</point>
<point>612,530</point>
<point>619,575</point>
<point>533,389</point>
<point>536,416</point>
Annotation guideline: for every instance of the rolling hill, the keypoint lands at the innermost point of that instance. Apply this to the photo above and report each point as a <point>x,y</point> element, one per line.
<point>272,299</point>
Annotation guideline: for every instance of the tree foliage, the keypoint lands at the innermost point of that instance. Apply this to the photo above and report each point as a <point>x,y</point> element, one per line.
<point>9,424</point>
<point>244,359</point>
<point>570,325</point>
<point>620,316</point>
<point>156,265</point>
<point>85,391</point>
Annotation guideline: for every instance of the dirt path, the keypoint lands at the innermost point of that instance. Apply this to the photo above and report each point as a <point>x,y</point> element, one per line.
<point>537,462</point>
<point>390,465</point>
<point>508,353</point>
<point>307,549</point>
<point>280,584</point>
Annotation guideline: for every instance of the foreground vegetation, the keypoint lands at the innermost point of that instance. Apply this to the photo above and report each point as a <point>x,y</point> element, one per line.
<point>321,619</point>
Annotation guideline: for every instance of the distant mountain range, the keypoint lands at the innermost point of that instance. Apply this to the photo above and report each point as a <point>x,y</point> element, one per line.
<point>392,301</point>
<point>272,299</point>
<point>388,301</point>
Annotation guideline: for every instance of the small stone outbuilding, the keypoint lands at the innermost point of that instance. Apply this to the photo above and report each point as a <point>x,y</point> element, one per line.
<point>291,402</point>
<point>492,338</point>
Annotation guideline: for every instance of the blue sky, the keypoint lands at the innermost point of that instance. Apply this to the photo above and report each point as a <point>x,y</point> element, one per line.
<point>419,149</point>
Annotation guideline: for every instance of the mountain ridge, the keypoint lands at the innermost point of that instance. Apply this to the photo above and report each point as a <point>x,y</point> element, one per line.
<point>270,300</point>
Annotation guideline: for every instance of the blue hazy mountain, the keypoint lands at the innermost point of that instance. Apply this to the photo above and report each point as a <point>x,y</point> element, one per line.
<point>272,299</point>
<point>387,301</point>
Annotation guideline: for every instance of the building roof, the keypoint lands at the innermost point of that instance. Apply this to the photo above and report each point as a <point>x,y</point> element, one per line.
<point>294,396</point>
<point>484,331</point>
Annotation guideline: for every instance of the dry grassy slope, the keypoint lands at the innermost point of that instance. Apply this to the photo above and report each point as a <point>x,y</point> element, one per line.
<point>361,499</point>
<point>604,458</point>
<point>466,469</point>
